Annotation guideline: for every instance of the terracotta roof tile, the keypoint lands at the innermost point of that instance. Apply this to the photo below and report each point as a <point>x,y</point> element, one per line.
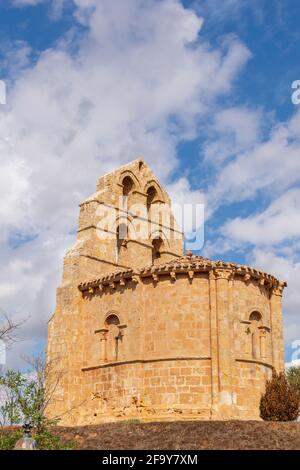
<point>184,264</point>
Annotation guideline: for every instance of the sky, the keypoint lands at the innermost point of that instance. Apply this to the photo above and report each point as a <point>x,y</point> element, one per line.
<point>201,89</point>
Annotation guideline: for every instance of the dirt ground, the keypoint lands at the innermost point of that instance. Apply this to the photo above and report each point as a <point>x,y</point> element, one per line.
<point>185,435</point>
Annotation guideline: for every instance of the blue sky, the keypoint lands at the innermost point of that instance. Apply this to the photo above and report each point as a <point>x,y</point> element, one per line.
<point>207,104</point>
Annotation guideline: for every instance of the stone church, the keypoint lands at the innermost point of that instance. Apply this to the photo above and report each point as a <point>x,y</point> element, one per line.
<point>142,330</point>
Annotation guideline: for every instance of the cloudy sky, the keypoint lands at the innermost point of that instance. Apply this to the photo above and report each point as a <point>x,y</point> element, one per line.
<point>201,89</point>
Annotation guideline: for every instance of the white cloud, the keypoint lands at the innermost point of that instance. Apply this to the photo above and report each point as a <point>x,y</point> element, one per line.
<point>15,56</point>
<point>272,165</point>
<point>233,131</point>
<point>136,86</point>
<point>264,168</point>
<point>55,10</point>
<point>280,222</point>
<point>295,363</point>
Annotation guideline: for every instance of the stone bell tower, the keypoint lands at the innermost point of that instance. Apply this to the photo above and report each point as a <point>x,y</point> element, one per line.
<point>127,223</point>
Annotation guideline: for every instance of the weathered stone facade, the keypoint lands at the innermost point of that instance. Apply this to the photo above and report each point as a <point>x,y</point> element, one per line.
<point>142,331</point>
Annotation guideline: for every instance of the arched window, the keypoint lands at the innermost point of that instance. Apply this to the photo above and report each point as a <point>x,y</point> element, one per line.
<point>257,347</point>
<point>151,196</point>
<point>121,238</point>
<point>157,244</point>
<point>112,320</point>
<point>128,185</point>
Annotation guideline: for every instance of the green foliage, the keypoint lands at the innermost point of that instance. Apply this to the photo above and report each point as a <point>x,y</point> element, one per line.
<point>9,439</point>
<point>25,400</point>
<point>11,411</point>
<point>293,376</point>
<point>46,440</point>
<point>280,401</point>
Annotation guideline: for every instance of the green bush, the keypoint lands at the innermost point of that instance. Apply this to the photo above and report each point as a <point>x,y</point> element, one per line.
<point>293,376</point>
<point>280,401</point>
<point>46,440</point>
<point>9,438</point>
<point>24,400</point>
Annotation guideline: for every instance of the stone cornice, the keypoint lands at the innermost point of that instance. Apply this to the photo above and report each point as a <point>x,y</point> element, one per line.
<point>216,269</point>
<point>189,265</point>
<point>111,280</point>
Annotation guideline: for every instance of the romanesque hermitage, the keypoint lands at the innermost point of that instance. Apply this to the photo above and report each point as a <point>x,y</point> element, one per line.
<point>143,331</point>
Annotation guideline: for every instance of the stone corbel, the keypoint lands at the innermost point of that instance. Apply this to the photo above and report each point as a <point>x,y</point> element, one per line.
<point>247,278</point>
<point>135,279</point>
<point>191,275</point>
<point>223,274</point>
<point>173,276</point>
<point>278,288</point>
<point>155,277</point>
